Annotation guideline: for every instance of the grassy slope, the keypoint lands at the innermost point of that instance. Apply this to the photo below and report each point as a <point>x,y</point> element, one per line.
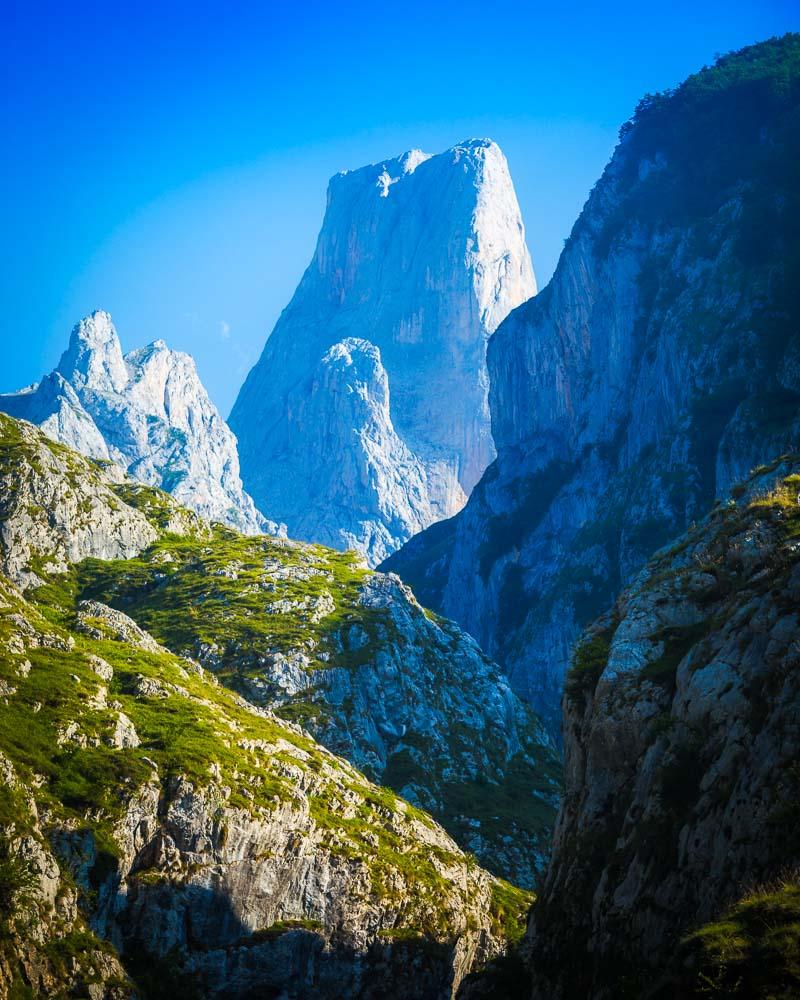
<point>56,721</point>
<point>230,592</point>
<point>752,950</point>
<point>197,728</point>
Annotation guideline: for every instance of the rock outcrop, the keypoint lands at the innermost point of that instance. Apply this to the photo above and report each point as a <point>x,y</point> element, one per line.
<point>405,696</point>
<point>46,946</point>
<point>418,260</point>
<point>57,507</point>
<point>656,369</point>
<point>682,730</point>
<point>164,834</point>
<point>146,411</point>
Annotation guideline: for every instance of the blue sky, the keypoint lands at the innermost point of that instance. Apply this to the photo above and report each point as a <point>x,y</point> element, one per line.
<point>168,162</point>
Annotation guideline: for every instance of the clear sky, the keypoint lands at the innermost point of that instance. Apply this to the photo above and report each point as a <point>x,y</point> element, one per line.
<point>168,161</point>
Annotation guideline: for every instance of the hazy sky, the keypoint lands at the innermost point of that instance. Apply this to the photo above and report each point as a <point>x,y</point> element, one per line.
<point>168,162</point>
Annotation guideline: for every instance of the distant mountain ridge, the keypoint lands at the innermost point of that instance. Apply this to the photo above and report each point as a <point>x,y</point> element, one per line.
<point>366,418</point>
<point>149,412</point>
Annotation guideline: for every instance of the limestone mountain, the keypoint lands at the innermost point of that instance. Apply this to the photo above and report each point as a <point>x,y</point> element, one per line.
<point>147,411</point>
<point>674,871</point>
<point>312,635</point>
<point>366,418</point>
<point>655,370</point>
<point>407,697</point>
<point>160,835</point>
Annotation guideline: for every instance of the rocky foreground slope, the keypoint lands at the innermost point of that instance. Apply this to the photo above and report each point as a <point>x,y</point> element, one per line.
<point>658,367</point>
<point>405,696</point>
<point>147,411</point>
<point>674,872</point>
<point>160,833</point>
<point>366,418</point>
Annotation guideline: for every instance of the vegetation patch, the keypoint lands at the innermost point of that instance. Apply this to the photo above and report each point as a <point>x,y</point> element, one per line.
<point>588,663</point>
<point>510,907</point>
<point>278,929</point>
<point>752,950</point>
<point>242,597</point>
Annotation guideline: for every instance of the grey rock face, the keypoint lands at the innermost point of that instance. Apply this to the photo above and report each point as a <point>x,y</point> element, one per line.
<point>202,880</point>
<point>681,729</point>
<point>61,506</point>
<point>43,909</point>
<point>414,704</point>
<point>99,621</point>
<point>418,260</point>
<point>146,411</point>
<point>656,369</point>
<point>363,487</point>
<point>275,865</point>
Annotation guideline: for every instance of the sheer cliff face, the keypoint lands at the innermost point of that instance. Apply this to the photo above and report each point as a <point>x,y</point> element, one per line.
<point>681,793</point>
<point>342,447</point>
<point>657,368</point>
<point>149,412</point>
<point>419,259</point>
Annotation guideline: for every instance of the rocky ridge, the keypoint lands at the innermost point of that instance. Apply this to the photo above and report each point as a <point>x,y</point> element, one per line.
<point>366,418</point>
<point>151,816</point>
<point>681,737</point>
<point>657,368</point>
<point>311,634</point>
<point>58,507</point>
<point>147,411</point>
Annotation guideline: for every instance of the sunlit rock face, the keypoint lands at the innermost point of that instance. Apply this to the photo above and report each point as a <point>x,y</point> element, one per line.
<point>366,418</point>
<point>185,834</point>
<point>149,412</point>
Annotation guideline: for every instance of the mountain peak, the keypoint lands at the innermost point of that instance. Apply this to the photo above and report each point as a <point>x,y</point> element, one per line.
<point>94,356</point>
<point>419,257</point>
<point>149,412</point>
<point>393,169</point>
<point>411,160</point>
<point>476,145</point>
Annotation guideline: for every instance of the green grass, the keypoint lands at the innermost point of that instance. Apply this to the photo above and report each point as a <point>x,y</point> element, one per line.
<point>157,506</point>
<point>200,733</point>
<point>17,885</point>
<point>508,807</point>
<point>510,908</point>
<point>279,928</point>
<point>179,591</point>
<point>752,950</point>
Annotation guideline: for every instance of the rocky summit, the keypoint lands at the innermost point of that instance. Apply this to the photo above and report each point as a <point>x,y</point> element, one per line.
<point>366,418</point>
<point>165,834</point>
<point>146,411</point>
